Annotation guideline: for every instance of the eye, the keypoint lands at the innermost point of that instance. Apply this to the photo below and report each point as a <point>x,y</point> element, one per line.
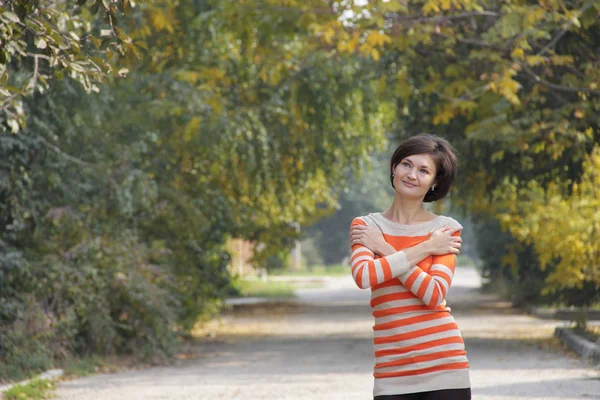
<point>424,171</point>
<point>405,163</point>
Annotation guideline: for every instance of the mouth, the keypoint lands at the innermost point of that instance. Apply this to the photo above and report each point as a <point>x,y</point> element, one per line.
<point>410,185</point>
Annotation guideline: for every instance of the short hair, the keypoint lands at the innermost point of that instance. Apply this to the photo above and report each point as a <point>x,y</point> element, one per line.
<point>443,155</point>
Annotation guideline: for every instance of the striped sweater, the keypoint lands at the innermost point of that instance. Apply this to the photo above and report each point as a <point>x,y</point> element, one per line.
<point>418,346</point>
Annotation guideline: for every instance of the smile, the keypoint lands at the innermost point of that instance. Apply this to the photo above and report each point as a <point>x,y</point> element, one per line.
<point>410,185</point>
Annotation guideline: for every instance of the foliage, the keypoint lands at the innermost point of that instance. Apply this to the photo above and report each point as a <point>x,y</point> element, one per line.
<point>561,222</point>
<point>32,390</point>
<point>45,40</point>
<point>513,85</point>
<point>248,118</point>
<point>509,267</point>
<point>116,205</point>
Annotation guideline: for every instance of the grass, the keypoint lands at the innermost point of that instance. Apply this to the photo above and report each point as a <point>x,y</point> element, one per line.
<point>269,289</point>
<point>315,270</point>
<point>81,366</point>
<point>34,389</point>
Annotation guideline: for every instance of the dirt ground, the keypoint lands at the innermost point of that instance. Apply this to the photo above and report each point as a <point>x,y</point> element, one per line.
<point>320,347</point>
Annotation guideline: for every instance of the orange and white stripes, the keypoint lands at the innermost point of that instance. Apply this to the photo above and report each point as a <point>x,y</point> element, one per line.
<point>418,346</point>
<point>368,271</point>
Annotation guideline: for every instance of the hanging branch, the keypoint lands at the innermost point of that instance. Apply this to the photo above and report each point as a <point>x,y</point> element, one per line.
<point>556,85</point>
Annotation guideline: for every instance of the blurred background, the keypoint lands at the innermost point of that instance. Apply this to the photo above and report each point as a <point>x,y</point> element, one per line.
<point>159,157</point>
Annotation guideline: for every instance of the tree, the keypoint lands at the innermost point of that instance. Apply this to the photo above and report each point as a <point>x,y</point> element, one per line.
<point>45,40</point>
<point>117,204</point>
<point>561,223</point>
<point>513,85</point>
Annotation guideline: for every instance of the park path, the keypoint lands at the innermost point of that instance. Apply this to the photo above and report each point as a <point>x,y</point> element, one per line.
<point>320,348</point>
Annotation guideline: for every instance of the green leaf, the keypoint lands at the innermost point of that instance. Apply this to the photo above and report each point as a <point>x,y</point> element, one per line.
<point>11,16</point>
<point>12,88</point>
<point>392,6</point>
<point>94,9</point>
<point>41,43</point>
<point>13,124</point>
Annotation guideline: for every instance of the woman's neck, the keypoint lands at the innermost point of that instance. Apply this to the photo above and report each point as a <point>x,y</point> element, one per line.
<point>406,211</point>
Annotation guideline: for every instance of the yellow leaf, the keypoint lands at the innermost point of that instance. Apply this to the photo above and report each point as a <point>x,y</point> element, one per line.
<point>191,129</point>
<point>561,59</point>
<point>517,53</point>
<point>328,35</point>
<point>535,60</point>
<point>445,115</point>
<point>160,19</point>
<point>430,6</point>
<point>378,39</point>
<point>589,132</point>
<point>375,54</point>
<point>263,74</point>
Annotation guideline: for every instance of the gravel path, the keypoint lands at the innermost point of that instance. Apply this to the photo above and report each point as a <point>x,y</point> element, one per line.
<point>320,348</point>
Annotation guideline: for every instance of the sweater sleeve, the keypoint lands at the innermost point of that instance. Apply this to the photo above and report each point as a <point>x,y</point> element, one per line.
<point>431,287</point>
<point>368,271</point>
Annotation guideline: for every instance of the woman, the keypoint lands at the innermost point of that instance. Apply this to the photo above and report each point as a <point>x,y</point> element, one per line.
<point>407,255</point>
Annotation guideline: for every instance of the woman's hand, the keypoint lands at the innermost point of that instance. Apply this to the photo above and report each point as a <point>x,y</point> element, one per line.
<point>442,242</point>
<point>368,236</point>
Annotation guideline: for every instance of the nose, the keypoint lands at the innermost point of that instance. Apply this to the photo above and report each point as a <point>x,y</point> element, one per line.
<point>412,174</point>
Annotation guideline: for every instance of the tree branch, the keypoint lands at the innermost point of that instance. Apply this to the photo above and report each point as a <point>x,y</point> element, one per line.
<point>45,57</point>
<point>418,18</point>
<point>475,42</point>
<point>556,85</point>
<point>65,155</point>
<point>565,28</point>
<point>34,79</point>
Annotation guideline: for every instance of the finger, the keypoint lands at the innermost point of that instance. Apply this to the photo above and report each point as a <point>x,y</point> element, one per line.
<point>357,241</point>
<point>355,229</point>
<point>454,230</point>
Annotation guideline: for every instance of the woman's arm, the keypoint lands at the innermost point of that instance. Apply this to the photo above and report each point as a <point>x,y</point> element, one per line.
<point>368,271</point>
<point>414,254</point>
<point>431,287</point>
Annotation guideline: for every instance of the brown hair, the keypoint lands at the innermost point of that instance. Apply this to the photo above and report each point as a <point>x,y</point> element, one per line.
<point>443,155</point>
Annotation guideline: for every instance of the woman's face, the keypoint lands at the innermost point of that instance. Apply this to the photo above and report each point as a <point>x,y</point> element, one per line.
<point>414,175</point>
